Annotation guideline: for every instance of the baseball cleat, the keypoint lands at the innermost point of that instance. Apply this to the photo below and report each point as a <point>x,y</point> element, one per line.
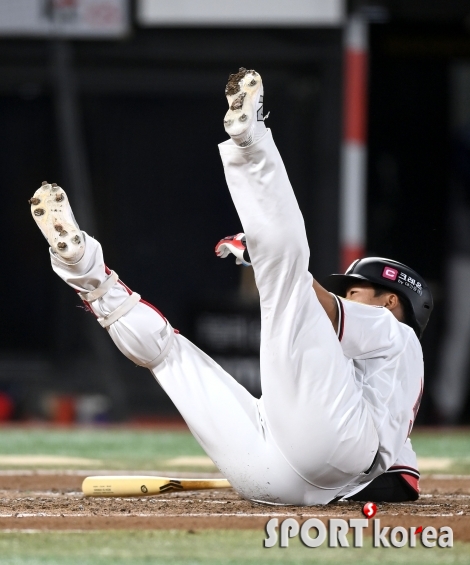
<point>244,93</point>
<point>235,244</point>
<point>51,211</point>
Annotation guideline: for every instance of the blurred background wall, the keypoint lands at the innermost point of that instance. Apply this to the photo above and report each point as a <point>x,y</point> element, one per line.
<point>122,104</point>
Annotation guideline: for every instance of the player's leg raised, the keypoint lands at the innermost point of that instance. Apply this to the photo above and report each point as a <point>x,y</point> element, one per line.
<point>313,405</point>
<point>222,415</point>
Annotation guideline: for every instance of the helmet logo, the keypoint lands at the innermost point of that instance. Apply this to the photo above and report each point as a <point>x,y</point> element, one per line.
<point>411,283</point>
<point>390,273</point>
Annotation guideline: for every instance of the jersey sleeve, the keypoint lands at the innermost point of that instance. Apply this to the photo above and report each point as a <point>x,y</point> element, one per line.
<point>367,331</point>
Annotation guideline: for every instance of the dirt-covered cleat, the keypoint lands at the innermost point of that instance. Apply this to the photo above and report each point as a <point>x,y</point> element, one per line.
<point>235,244</point>
<point>51,211</point>
<point>244,121</point>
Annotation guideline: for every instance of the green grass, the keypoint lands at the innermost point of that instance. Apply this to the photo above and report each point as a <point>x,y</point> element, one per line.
<point>441,444</point>
<point>448,444</point>
<point>150,449</point>
<point>208,547</point>
<point>116,449</point>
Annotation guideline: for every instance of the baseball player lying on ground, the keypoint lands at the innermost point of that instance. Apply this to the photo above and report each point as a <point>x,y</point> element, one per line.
<point>341,379</point>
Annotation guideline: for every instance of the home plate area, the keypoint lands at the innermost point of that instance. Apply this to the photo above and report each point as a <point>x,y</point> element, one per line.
<point>49,500</point>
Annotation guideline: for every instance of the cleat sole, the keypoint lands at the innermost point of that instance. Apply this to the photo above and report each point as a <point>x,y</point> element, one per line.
<point>56,221</point>
<point>243,91</point>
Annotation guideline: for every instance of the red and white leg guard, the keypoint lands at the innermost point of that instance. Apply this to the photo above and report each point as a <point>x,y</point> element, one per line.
<point>139,331</point>
<point>108,319</point>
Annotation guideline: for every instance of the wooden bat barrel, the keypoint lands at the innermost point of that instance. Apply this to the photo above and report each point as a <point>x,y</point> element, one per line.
<point>145,485</point>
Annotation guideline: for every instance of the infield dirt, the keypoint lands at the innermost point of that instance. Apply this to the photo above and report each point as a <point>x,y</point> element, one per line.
<point>54,501</point>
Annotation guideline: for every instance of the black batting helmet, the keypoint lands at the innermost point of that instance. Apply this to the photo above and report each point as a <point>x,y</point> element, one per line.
<point>396,277</point>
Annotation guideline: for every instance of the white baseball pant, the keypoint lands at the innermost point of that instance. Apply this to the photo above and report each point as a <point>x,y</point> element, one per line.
<point>311,434</point>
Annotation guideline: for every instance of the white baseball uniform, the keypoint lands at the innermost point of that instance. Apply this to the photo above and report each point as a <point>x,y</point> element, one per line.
<point>333,416</point>
<point>388,364</point>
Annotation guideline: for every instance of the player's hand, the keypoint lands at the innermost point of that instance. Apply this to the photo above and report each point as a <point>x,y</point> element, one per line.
<point>235,244</point>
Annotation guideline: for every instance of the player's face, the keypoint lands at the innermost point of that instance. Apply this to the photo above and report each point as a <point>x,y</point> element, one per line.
<point>365,293</point>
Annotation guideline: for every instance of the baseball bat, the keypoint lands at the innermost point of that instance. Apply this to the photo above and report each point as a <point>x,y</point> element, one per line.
<point>145,486</point>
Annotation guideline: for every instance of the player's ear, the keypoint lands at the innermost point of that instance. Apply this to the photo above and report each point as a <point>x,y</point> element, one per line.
<point>391,301</point>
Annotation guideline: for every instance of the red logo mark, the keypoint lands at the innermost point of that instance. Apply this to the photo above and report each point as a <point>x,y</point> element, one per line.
<point>419,530</point>
<point>390,273</point>
<point>369,509</point>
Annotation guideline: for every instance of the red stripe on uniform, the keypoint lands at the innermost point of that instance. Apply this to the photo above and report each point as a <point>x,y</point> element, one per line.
<point>108,272</point>
<point>153,308</point>
<point>341,327</point>
<point>129,291</point>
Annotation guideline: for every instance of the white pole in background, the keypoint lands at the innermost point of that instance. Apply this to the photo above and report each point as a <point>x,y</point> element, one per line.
<point>354,149</point>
